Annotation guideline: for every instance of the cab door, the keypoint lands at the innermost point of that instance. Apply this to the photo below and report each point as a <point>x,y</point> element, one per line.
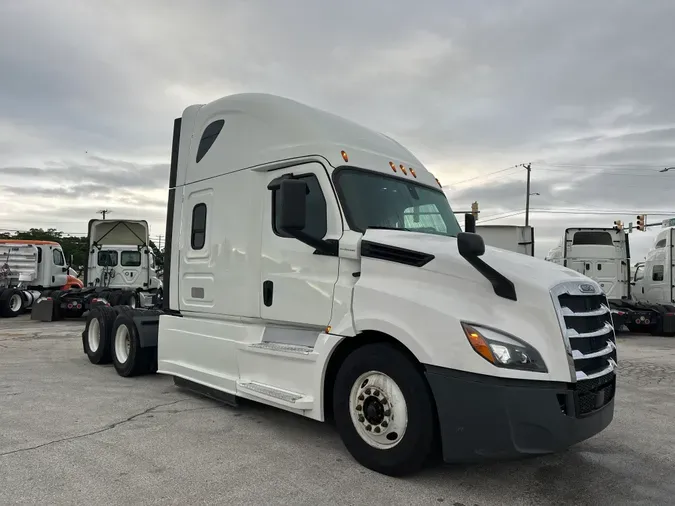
<point>297,282</point>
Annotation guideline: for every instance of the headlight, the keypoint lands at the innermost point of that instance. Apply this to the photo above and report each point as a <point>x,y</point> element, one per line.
<point>503,350</point>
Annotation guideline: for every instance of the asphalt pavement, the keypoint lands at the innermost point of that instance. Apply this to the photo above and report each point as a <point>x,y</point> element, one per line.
<point>75,433</point>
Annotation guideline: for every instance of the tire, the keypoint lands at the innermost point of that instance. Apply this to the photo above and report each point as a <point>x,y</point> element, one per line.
<point>128,298</point>
<point>96,337</point>
<point>11,303</point>
<point>407,428</point>
<point>129,359</point>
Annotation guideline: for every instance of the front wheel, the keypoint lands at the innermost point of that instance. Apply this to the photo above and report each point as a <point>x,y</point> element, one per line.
<point>383,410</point>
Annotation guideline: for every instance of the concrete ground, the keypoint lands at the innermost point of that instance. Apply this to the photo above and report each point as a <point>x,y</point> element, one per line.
<point>75,433</point>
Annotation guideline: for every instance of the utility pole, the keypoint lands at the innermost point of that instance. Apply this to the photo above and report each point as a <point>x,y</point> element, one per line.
<point>528,167</point>
<point>103,212</point>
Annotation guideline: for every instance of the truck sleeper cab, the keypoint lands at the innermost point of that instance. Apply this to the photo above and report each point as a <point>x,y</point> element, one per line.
<point>316,266</point>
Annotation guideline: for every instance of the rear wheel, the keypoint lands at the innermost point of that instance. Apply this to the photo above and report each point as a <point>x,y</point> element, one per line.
<point>383,410</point>
<point>128,357</point>
<point>11,303</point>
<point>96,335</point>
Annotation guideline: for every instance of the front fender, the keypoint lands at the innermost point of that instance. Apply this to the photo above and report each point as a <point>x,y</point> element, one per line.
<point>424,310</point>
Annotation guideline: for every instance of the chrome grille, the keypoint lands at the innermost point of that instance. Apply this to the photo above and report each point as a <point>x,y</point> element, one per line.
<point>586,322</point>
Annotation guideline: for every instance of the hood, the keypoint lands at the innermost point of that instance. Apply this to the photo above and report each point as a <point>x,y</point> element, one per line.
<point>522,270</point>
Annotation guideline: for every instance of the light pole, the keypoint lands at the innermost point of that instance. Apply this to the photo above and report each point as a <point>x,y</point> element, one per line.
<point>528,167</point>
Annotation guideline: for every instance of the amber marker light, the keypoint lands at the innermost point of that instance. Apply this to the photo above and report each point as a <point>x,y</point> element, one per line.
<point>344,156</point>
<point>479,344</point>
<point>393,167</point>
<point>412,171</point>
<point>405,172</point>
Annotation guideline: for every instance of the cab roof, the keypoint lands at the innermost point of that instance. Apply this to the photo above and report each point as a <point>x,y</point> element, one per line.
<point>34,242</point>
<point>253,129</point>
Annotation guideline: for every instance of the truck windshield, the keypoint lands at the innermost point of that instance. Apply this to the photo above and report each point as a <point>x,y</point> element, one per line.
<point>374,200</point>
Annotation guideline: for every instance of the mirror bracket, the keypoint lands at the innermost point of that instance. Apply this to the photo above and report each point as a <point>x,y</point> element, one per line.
<point>471,248</point>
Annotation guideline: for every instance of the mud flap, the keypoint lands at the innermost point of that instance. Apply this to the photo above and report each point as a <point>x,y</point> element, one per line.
<point>43,310</point>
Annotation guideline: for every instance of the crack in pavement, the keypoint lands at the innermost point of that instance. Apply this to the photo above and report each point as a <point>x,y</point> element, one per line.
<point>92,433</point>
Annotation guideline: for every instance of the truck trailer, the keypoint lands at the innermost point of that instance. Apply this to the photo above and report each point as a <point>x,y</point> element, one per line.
<point>27,268</point>
<point>120,270</point>
<point>316,266</point>
<point>516,238</point>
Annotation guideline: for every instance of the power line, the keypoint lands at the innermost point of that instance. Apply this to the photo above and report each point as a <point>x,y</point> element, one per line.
<point>484,176</point>
<point>609,166</point>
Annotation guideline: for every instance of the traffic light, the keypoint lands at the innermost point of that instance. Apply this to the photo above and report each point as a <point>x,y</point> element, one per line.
<point>474,210</point>
<point>641,224</point>
<point>618,225</point>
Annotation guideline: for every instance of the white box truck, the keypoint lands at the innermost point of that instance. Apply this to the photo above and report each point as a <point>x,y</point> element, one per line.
<point>516,238</point>
<point>316,266</point>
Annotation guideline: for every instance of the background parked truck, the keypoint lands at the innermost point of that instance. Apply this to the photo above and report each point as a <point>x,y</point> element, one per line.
<point>120,269</point>
<point>27,267</point>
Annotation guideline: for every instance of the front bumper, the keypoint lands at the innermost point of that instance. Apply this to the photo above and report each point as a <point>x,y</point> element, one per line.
<point>483,417</point>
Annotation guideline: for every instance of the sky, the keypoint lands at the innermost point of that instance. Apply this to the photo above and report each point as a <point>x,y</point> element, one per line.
<point>581,90</point>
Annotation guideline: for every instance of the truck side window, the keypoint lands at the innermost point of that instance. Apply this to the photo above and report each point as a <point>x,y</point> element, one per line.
<point>661,244</point>
<point>208,138</point>
<point>198,234</point>
<point>58,257</point>
<point>107,258</point>
<point>130,259</point>
<point>639,273</point>
<point>657,273</point>
<point>39,255</point>
<point>316,223</point>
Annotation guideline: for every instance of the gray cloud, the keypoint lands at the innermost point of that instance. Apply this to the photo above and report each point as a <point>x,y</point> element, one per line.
<point>581,90</point>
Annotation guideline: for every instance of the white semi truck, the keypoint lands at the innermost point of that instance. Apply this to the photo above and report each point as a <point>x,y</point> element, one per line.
<point>651,306</point>
<point>602,254</point>
<point>27,268</point>
<point>316,266</point>
<point>120,270</point>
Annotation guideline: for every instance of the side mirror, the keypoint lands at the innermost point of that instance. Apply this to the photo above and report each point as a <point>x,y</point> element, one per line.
<point>469,223</point>
<point>470,245</point>
<point>292,195</point>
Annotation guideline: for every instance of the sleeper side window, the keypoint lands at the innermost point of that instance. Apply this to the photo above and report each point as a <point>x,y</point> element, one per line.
<point>198,233</point>
<point>208,138</point>
<point>657,273</point>
<point>316,224</point>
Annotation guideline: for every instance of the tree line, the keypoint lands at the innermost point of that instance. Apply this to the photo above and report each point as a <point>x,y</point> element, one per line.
<point>74,247</point>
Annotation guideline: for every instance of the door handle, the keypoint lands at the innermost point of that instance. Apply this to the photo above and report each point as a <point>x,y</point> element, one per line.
<point>268,292</point>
